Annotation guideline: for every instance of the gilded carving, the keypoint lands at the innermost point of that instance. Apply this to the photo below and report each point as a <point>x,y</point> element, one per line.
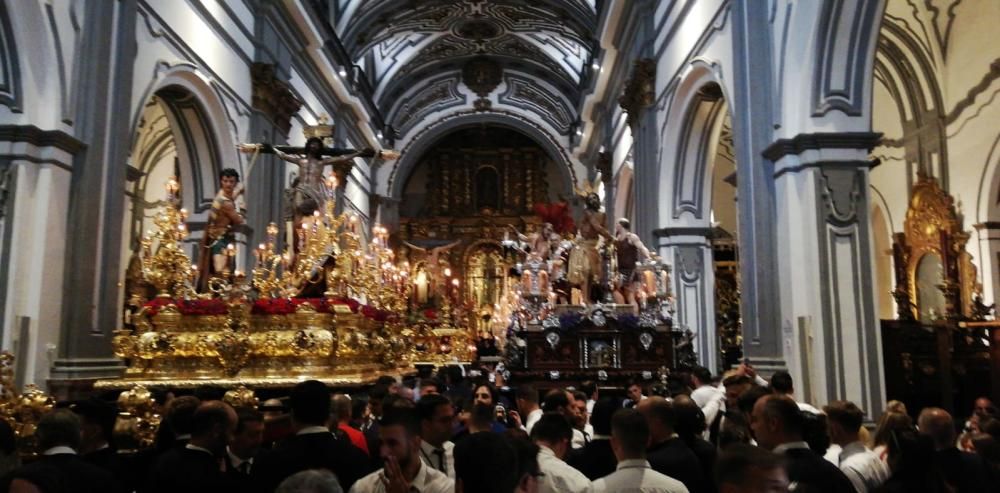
<point>933,230</point>
<point>640,90</point>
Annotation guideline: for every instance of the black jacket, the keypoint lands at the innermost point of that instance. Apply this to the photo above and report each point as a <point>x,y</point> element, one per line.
<point>61,473</point>
<point>814,473</point>
<point>311,451</point>
<point>675,459</point>
<point>189,471</point>
<point>595,459</point>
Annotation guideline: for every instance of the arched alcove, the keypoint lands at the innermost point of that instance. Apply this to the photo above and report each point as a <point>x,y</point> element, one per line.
<point>173,137</point>
<point>699,174</point>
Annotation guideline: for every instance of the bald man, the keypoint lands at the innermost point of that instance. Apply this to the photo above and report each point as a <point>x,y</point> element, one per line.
<point>962,470</point>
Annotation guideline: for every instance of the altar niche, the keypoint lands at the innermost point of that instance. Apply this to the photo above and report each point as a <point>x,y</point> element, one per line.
<point>173,138</point>
<point>461,201</point>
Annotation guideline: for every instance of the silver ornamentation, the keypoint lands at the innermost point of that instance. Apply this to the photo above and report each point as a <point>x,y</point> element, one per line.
<point>646,339</point>
<point>553,339</point>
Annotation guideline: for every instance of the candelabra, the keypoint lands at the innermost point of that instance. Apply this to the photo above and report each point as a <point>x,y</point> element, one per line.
<point>169,269</point>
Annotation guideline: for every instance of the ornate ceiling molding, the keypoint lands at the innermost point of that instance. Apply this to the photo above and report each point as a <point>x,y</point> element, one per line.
<point>522,92</point>
<point>437,95</point>
<point>398,41</point>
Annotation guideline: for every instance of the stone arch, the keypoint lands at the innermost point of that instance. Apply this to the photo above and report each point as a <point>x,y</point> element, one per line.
<point>906,71</point>
<point>426,138</point>
<point>197,112</point>
<point>687,153</point>
<point>10,67</point>
<point>687,149</point>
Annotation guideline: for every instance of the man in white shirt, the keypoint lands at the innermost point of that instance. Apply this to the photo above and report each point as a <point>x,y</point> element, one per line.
<point>527,405</point>
<point>708,397</point>
<point>862,466</point>
<point>552,433</point>
<point>399,430</point>
<point>629,436</point>
<point>635,394</point>
<point>437,417</point>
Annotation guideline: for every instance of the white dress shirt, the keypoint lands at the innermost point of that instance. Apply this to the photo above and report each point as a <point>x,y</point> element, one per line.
<point>558,476</point>
<point>579,439</point>
<point>635,476</point>
<point>427,480</point>
<point>780,449</point>
<point>431,457</point>
<point>863,467</point>
<point>710,400</point>
<point>531,419</point>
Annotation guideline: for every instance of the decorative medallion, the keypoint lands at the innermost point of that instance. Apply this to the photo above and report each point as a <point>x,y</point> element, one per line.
<point>599,318</point>
<point>646,339</point>
<point>482,75</point>
<point>553,339</point>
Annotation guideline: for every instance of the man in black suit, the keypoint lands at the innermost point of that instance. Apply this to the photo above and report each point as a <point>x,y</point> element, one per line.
<point>97,421</point>
<point>777,425</point>
<point>596,459</point>
<point>690,426</point>
<point>59,469</point>
<point>667,453</point>
<point>244,450</point>
<point>312,446</point>
<point>963,471</point>
<point>199,466</point>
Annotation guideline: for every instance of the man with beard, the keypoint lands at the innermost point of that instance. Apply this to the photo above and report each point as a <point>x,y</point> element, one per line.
<point>404,471</point>
<point>584,260</point>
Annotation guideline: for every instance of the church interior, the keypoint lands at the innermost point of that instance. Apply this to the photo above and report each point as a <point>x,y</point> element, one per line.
<point>218,210</point>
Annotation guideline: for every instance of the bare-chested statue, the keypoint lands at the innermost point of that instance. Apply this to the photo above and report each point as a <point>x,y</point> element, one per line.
<point>584,259</point>
<point>212,261</point>
<point>540,243</point>
<point>432,264</point>
<point>630,251</point>
<point>309,191</point>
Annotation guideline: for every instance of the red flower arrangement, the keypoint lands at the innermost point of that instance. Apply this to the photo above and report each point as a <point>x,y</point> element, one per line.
<point>213,306</point>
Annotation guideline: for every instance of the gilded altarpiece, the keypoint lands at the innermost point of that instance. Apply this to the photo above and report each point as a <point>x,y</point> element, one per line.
<point>474,196</point>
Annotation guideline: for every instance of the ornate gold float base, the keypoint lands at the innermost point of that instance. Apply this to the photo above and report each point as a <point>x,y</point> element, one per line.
<point>348,377</point>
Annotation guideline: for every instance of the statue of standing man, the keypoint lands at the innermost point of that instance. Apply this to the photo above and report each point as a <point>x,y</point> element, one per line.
<point>213,260</point>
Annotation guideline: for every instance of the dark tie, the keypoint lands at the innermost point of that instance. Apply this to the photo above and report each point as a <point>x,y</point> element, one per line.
<point>440,455</point>
<point>244,467</point>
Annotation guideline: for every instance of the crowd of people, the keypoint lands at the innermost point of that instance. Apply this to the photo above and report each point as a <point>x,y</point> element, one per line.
<point>731,433</point>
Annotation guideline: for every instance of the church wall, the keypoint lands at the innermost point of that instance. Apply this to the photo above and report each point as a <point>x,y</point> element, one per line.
<point>966,68</point>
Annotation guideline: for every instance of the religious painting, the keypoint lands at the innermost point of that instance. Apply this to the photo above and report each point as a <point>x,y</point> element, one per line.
<point>600,353</point>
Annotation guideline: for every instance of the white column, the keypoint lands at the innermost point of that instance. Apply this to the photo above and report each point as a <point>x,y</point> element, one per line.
<point>829,329</point>
<point>689,251</point>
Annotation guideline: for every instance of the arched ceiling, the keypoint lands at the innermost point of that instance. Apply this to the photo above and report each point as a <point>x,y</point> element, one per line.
<point>423,56</point>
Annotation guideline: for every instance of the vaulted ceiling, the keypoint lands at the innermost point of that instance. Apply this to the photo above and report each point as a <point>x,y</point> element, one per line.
<point>424,56</point>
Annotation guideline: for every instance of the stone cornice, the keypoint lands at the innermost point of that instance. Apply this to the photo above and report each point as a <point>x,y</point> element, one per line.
<point>684,231</point>
<point>816,141</point>
<point>41,138</point>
